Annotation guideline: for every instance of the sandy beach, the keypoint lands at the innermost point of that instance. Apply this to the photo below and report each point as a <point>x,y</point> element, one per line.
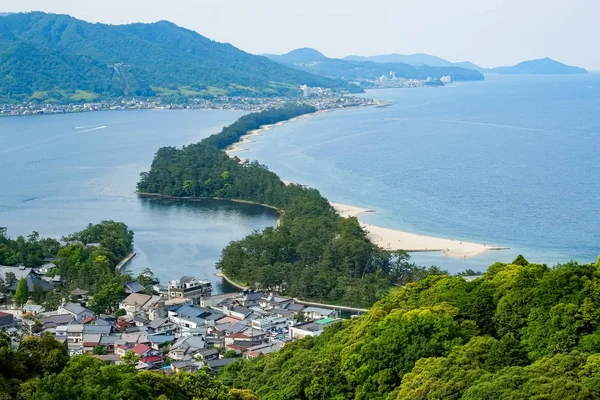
<point>391,239</point>
<point>388,239</point>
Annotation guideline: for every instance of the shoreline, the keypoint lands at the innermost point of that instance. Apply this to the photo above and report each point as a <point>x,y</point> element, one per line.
<point>236,147</point>
<point>393,239</point>
<point>193,198</point>
<point>385,238</point>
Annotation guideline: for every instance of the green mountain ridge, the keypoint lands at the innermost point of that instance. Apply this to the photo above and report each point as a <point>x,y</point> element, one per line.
<point>132,60</point>
<point>311,60</point>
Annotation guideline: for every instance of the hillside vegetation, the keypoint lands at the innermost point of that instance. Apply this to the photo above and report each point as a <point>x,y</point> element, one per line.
<point>522,331</point>
<point>54,57</point>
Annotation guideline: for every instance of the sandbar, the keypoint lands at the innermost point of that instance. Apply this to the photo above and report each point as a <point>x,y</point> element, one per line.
<point>392,239</point>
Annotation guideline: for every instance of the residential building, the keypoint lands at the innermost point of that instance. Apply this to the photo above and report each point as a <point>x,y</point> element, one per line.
<point>212,301</point>
<point>6,320</point>
<point>134,287</point>
<point>133,303</point>
<point>270,323</point>
<point>314,313</point>
<point>215,365</point>
<point>312,328</point>
<point>263,349</point>
<point>75,333</point>
<point>190,288</point>
<point>249,298</point>
<point>75,310</point>
<point>163,326</point>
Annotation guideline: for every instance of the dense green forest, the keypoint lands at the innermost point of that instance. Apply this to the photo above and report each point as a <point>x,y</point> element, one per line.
<point>57,58</point>
<point>521,331</point>
<point>313,252</point>
<point>40,368</point>
<point>84,260</point>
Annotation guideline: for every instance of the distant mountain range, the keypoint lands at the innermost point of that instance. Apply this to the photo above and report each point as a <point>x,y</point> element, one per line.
<point>541,66</point>
<point>311,60</point>
<point>59,58</point>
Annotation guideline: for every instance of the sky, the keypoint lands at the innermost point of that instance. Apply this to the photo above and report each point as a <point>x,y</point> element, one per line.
<point>487,32</point>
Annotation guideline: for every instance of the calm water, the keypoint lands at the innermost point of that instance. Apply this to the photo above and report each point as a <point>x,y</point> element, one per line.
<point>512,161</point>
<point>60,172</point>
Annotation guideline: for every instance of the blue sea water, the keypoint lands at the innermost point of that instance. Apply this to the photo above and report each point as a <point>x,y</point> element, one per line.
<point>60,172</point>
<point>512,161</point>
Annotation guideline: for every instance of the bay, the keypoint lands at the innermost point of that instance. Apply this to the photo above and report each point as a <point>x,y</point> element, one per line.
<point>512,161</point>
<point>60,172</point>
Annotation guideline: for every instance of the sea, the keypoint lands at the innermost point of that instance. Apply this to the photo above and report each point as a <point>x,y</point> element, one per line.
<point>511,161</point>
<point>60,172</point>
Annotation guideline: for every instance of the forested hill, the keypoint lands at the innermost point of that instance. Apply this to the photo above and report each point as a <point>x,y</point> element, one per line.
<point>313,253</point>
<point>60,58</point>
<point>522,331</point>
<point>312,61</point>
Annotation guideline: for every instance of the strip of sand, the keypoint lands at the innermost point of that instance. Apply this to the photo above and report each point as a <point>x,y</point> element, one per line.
<point>391,239</point>
<point>387,239</point>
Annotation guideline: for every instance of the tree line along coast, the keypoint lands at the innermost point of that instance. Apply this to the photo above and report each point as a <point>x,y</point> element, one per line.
<point>520,330</point>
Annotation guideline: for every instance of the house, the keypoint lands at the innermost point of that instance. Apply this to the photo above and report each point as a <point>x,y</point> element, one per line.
<point>146,353</point>
<point>270,302</point>
<point>207,354</point>
<point>190,288</point>
<point>189,316</point>
<point>186,347</point>
<point>134,287</point>
<point>247,335</point>
<point>33,309</point>
<point>75,310</point>
<point>90,341</point>
<point>139,320</point>
<point>159,341</point>
<point>212,301</point>
<point>75,333</point>
<point>60,333</point>
<point>6,320</point>
<point>314,313</point>
<point>47,267</point>
<point>134,302</point>
<point>97,329</point>
<point>239,312</point>
<point>270,323</point>
<point>311,328</point>
<point>55,321</point>
<point>162,325</point>
<point>186,366</point>
<point>215,365</point>
<point>109,342</point>
<point>250,298</point>
<point>262,349</point>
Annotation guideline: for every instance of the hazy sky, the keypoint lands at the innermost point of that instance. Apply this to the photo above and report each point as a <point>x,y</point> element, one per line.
<point>487,32</point>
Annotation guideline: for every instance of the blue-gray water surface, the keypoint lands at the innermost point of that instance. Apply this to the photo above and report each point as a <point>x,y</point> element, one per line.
<point>60,172</point>
<point>512,161</point>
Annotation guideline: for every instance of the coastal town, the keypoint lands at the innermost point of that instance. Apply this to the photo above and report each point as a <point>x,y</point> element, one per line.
<point>181,326</point>
<point>315,96</point>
